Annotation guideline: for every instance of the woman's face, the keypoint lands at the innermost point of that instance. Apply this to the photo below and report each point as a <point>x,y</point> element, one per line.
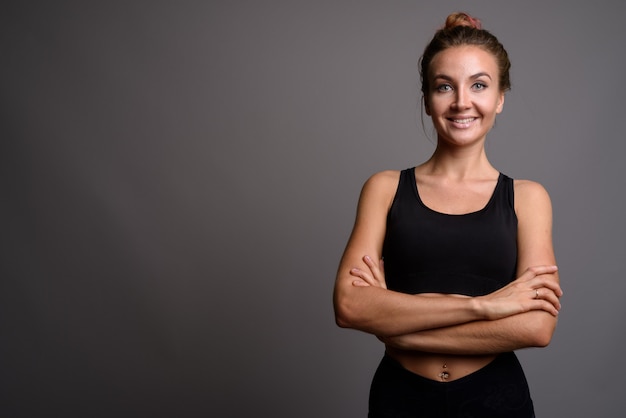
<point>464,96</point>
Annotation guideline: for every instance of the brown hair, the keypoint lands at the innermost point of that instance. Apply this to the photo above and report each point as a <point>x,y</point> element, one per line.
<point>462,29</point>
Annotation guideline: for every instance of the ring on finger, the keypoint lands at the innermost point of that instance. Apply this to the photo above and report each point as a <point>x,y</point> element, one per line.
<point>536,293</point>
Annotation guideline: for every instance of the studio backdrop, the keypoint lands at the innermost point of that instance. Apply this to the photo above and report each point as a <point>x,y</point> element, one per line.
<point>179,179</point>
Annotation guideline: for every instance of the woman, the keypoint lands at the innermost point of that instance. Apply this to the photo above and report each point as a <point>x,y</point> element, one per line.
<point>469,272</point>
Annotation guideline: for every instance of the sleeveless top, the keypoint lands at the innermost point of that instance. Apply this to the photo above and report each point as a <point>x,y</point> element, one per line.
<point>472,254</point>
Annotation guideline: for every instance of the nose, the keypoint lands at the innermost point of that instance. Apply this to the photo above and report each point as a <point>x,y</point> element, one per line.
<point>462,99</point>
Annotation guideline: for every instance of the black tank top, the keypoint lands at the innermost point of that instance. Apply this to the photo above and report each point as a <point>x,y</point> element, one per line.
<point>431,252</point>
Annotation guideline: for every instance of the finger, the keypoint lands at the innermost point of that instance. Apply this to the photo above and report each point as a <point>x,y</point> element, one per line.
<point>373,266</point>
<point>548,296</point>
<point>547,282</point>
<point>365,276</point>
<point>360,283</point>
<point>547,306</point>
<point>376,271</point>
<point>546,300</point>
<point>554,287</point>
<point>534,271</point>
<point>544,269</point>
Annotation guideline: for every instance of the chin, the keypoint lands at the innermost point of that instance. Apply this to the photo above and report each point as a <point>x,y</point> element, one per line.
<point>462,140</point>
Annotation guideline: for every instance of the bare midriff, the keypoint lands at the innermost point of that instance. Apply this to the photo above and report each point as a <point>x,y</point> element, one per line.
<point>439,367</point>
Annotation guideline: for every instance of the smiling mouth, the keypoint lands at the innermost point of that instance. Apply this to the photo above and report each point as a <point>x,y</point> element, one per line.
<point>463,121</point>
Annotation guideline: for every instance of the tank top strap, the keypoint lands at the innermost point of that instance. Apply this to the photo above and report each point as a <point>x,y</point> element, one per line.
<point>407,180</point>
<point>405,186</point>
<point>505,192</point>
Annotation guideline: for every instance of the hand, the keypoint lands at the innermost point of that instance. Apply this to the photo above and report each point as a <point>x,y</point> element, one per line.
<point>533,290</point>
<point>374,277</point>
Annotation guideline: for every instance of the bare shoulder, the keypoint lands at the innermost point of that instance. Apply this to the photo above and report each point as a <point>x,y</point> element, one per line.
<point>382,185</point>
<point>378,191</point>
<point>370,224</point>
<point>530,194</point>
<point>532,201</point>
<point>384,178</point>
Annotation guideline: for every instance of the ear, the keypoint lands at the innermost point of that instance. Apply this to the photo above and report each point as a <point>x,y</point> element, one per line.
<point>500,103</point>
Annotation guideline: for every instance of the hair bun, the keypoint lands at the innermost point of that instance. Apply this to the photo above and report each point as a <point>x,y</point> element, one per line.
<point>462,19</point>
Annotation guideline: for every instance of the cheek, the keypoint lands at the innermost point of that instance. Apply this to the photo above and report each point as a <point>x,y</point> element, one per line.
<point>435,107</point>
<point>490,106</point>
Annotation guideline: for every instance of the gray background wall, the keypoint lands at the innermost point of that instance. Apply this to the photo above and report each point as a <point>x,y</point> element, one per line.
<point>179,180</point>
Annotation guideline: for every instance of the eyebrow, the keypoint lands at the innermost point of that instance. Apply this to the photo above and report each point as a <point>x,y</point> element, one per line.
<point>473,77</point>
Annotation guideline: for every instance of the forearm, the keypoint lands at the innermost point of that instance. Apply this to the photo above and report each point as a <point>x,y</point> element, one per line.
<point>530,329</point>
<point>376,310</point>
<point>383,312</point>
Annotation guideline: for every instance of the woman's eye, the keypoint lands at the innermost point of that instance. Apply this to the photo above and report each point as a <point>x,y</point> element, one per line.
<point>479,86</point>
<point>444,88</point>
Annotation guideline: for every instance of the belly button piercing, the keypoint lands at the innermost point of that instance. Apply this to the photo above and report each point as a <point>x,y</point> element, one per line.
<point>444,375</point>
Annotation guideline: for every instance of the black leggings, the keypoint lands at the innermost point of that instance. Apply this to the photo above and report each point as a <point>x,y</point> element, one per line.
<point>497,390</point>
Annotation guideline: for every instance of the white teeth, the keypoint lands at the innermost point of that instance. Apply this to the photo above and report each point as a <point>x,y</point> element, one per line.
<point>468,120</point>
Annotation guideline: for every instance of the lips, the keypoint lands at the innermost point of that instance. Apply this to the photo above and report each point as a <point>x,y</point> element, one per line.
<point>462,123</point>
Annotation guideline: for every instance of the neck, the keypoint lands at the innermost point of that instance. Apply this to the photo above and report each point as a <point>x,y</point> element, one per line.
<point>459,162</point>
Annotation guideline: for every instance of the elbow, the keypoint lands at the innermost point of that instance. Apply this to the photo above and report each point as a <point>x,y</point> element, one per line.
<point>341,318</point>
<point>541,331</point>
<point>353,309</point>
<point>542,339</point>
<point>344,317</point>
<point>347,313</point>
<point>342,321</point>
